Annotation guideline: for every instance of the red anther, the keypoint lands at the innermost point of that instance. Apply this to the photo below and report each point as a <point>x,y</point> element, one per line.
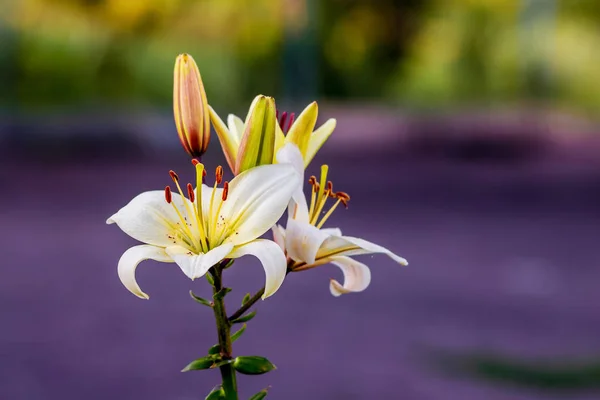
<point>219,175</point>
<point>168,196</point>
<point>312,180</point>
<point>316,187</point>
<point>290,122</point>
<point>174,176</point>
<point>282,120</point>
<point>203,173</point>
<point>195,162</point>
<point>191,194</point>
<point>329,187</point>
<point>342,196</point>
<point>225,191</point>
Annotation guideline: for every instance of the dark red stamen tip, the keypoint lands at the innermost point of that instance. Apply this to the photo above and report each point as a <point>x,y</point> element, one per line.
<point>168,196</point>
<point>219,175</point>
<point>191,194</point>
<point>225,190</point>
<point>195,162</point>
<point>290,122</point>
<point>282,120</point>
<point>174,176</point>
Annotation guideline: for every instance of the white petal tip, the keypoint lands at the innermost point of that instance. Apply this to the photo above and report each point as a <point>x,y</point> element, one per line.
<point>403,262</point>
<point>142,296</point>
<point>110,220</point>
<point>336,289</point>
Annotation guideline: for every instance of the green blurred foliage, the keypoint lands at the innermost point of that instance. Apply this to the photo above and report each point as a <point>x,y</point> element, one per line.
<point>420,53</point>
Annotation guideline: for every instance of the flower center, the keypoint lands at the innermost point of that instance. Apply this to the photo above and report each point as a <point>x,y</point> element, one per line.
<point>320,193</point>
<point>199,222</point>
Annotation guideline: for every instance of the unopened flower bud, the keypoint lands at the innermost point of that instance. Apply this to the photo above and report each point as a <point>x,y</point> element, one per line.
<point>258,141</point>
<point>190,106</point>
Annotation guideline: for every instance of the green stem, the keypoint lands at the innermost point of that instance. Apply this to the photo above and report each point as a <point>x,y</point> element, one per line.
<point>247,305</point>
<point>223,332</point>
<point>256,297</point>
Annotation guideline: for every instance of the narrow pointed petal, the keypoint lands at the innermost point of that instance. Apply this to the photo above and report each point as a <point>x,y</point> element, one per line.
<point>229,141</point>
<point>236,126</point>
<point>257,199</point>
<point>317,140</point>
<point>290,154</point>
<point>279,236</point>
<point>357,276</point>
<point>279,140</point>
<point>131,259</point>
<point>302,129</point>
<point>196,265</point>
<point>149,218</point>
<point>302,241</point>
<point>349,246</point>
<point>257,146</point>
<point>332,231</point>
<point>272,259</point>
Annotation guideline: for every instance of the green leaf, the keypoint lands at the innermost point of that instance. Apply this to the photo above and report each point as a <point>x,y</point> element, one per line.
<point>201,300</point>
<point>216,349</point>
<point>260,395</point>
<point>221,363</point>
<point>244,318</point>
<point>216,394</point>
<point>201,363</point>
<point>246,298</point>
<point>221,293</point>
<point>237,335</point>
<point>210,279</point>
<point>253,365</point>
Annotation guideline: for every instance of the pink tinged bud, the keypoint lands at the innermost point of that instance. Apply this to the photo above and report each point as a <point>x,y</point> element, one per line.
<point>190,106</point>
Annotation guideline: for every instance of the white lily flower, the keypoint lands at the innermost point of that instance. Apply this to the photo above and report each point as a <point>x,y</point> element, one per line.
<point>211,225</point>
<point>309,245</point>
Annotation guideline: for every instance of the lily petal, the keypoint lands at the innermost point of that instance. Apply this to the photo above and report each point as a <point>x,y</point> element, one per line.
<point>236,126</point>
<point>349,246</point>
<point>317,139</point>
<point>131,259</point>
<point>302,128</point>
<point>279,236</point>
<point>272,259</point>
<point>357,276</point>
<point>257,199</point>
<point>298,208</point>
<point>332,231</point>
<point>302,241</point>
<point>149,218</point>
<point>196,265</point>
<point>228,141</point>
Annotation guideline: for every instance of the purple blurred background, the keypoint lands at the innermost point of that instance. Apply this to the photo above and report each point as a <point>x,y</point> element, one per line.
<point>477,162</point>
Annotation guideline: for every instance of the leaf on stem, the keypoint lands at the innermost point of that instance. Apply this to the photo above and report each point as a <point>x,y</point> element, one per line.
<point>221,363</point>
<point>221,293</point>
<point>253,365</point>
<point>237,334</point>
<point>261,395</point>
<point>244,318</point>
<point>216,349</point>
<point>246,298</point>
<point>216,394</point>
<point>201,363</point>
<point>201,300</point>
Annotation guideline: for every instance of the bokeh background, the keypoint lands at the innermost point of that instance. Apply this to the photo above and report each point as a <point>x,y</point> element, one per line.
<point>467,136</point>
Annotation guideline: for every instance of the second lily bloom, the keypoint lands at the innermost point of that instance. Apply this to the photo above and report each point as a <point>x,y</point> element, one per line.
<point>257,140</point>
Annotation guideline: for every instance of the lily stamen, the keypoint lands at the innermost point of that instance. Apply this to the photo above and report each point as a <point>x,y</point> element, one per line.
<point>319,195</point>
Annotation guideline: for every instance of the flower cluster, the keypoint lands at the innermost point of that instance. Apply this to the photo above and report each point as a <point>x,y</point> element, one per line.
<point>203,227</point>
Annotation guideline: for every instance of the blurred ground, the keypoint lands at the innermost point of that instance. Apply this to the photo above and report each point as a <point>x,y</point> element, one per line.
<point>503,254</point>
